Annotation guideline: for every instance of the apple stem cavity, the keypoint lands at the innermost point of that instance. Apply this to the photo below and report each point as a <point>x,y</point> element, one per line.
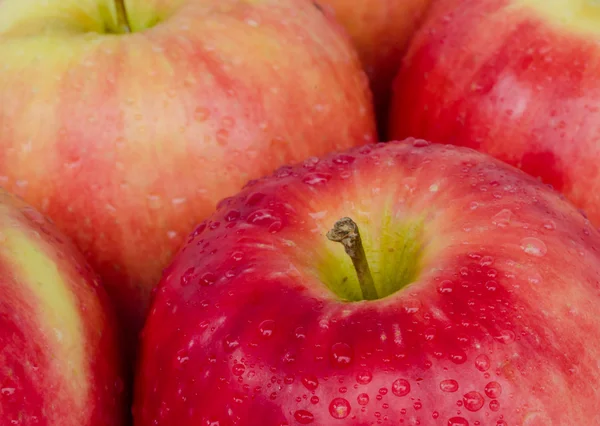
<point>122,20</point>
<point>345,231</point>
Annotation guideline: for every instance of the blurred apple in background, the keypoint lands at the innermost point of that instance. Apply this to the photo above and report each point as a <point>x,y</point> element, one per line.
<point>380,31</point>
<point>476,305</point>
<point>59,357</point>
<point>517,79</point>
<point>126,123</point>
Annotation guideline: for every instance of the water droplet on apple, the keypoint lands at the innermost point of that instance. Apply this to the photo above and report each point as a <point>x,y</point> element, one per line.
<point>341,355</point>
<point>458,356</point>
<point>505,336</point>
<point>230,344</point>
<point>187,276</point>
<point>238,369</point>
<point>502,218</point>
<point>364,377</point>
<point>420,143</point>
<point>316,178</point>
<point>494,405</point>
<point>262,217</point>
<point>473,401</point>
<point>445,287</point>
<point>304,417</point>
<point>482,362</point>
<point>339,408</point>
<point>266,328</point>
<point>458,421</point>
<point>493,389</point>
<point>534,246</point>
<point>310,382</point>
<point>401,387</point>
<point>449,385</point>
<point>208,279</point>
<point>344,159</point>
<point>362,399</point>
<point>232,215</point>
<point>7,391</point>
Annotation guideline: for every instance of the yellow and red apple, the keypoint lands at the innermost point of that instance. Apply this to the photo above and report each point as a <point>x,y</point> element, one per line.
<point>481,306</point>
<point>59,354</point>
<point>127,122</point>
<point>517,79</point>
<point>380,31</point>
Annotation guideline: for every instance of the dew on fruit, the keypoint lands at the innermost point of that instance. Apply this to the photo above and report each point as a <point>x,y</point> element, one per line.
<point>458,421</point>
<point>238,369</point>
<point>316,178</point>
<point>502,218</point>
<point>420,143</point>
<point>339,408</point>
<point>266,328</point>
<point>493,390</point>
<point>304,417</point>
<point>262,217</point>
<point>364,377</point>
<point>445,287</point>
<point>187,276</point>
<point>310,382</point>
<point>362,399</point>
<point>534,246</point>
<point>401,387</point>
<point>458,357</point>
<point>505,336</point>
<point>473,401</point>
<point>449,385</point>
<point>482,362</point>
<point>208,279</point>
<point>7,391</point>
<point>494,405</point>
<point>341,355</point>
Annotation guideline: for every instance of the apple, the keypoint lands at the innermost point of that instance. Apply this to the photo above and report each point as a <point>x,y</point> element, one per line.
<point>127,123</point>
<point>60,362</point>
<point>475,300</point>
<point>513,79</point>
<point>380,31</point>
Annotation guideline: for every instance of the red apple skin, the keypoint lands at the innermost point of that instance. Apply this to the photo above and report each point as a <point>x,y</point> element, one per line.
<point>380,31</point>
<point>498,327</point>
<point>504,79</point>
<point>60,362</point>
<point>129,141</point>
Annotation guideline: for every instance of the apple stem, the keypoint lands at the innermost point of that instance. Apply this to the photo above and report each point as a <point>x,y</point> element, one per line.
<point>122,20</point>
<point>345,231</point>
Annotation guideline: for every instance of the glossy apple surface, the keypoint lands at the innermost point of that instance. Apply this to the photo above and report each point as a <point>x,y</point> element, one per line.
<point>488,284</point>
<point>60,362</point>
<point>129,140</point>
<point>380,31</point>
<point>515,79</point>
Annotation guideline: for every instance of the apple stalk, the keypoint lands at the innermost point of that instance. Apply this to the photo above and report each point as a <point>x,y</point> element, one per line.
<point>346,231</point>
<point>122,20</point>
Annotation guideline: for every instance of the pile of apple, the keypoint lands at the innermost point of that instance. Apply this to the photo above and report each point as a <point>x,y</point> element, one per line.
<point>296,212</point>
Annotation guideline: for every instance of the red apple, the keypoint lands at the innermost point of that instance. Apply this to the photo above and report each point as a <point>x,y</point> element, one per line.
<point>129,140</point>
<point>59,358</point>
<point>380,31</point>
<point>515,79</point>
<point>482,308</point>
